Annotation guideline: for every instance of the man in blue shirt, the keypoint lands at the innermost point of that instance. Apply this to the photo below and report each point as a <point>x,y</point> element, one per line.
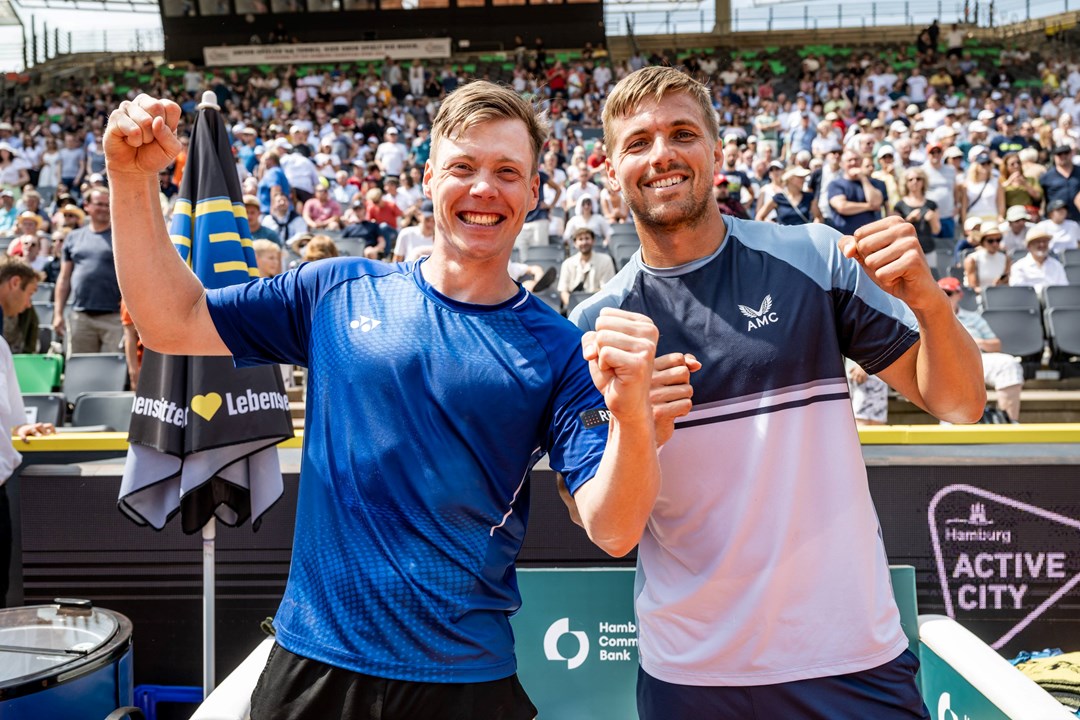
<point>433,386</point>
<point>855,199</point>
<point>1062,182</point>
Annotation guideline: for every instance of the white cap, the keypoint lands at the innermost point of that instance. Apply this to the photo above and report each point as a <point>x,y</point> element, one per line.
<point>953,151</point>
<point>899,127</point>
<point>986,115</point>
<point>884,150</point>
<point>977,127</point>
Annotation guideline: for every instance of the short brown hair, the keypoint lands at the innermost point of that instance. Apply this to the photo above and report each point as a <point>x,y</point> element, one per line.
<point>482,101</point>
<point>655,83</point>
<point>15,267</point>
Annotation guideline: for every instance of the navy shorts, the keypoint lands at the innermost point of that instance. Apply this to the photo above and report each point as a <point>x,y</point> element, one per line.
<point>296,688</point>
<point>887,692</point>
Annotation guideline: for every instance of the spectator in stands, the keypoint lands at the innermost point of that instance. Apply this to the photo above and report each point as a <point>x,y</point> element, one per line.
<point>1014,230</point>
<point>1038,269</point>
<point>920,211</point>
<point>585,271</point>
<point>728,203</point>
<point>612,205</point>
<point>254,218</point>
<point>88,275</point>
<point>17,285</point>
<point>888,174</point>
<point>283,219</point>
<point>1062,183</point>
<point>267,257</point>
<point>300,172</point>
<point>945,189</point>
<point>413,239</point>
<point>391,155</point>
<point>1064,232</point>
<point>14,170</point>
<point>583,186</point>
<point>1000,371</point>
<point>72,163</point>
<point>384,213</point>
<point>793,204</point>
<point>1019,189</point>
<point>272,180</point>
<point>985,197</point>
<point>989,265</point>
<point>322,212</point>
<point>585,217</point>
<point>855,199</point>
<point>869,395</point>
<point>320,247</point>
<point>9,213</point>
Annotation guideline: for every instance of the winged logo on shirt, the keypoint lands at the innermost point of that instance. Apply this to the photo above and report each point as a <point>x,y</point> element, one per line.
<point>760,317</point>
<point>750,312</point>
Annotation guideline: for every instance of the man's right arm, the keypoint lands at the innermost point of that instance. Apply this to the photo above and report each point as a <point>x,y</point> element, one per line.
<point>165,299</point>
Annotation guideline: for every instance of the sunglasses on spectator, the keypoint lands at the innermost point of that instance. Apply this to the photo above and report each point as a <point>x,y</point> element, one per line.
<point>991,241</point>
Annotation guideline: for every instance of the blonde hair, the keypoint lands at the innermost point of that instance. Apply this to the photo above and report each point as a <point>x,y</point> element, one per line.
<point>482,101</point>
<point>917,171</point>
<point>655,83</point>
<point>320,248</point>
<point>263,247</point>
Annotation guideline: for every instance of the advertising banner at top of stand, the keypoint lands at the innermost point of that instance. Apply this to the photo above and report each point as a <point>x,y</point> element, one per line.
<point>301,53</point>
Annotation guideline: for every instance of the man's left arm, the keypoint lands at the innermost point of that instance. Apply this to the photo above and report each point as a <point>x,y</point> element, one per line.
<point>942,372</point>
<point>615,504</point>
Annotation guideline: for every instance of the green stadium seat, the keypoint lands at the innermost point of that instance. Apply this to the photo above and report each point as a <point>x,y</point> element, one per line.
<point>38,373</point>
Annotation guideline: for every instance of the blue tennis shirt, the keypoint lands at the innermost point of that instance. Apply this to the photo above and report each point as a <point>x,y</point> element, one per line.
<point>424,416</point>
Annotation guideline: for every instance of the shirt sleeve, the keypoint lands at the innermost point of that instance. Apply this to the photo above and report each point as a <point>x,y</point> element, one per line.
<point>578,432</point>
<point>269,320</point>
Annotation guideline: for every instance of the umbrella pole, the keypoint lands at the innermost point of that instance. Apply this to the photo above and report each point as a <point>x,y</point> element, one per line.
<point>209,532</point>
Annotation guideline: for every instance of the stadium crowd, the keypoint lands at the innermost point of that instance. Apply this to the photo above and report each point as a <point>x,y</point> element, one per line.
<point>975,149</point>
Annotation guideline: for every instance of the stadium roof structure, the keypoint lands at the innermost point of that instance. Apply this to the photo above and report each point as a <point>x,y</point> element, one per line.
<point>146,6</point>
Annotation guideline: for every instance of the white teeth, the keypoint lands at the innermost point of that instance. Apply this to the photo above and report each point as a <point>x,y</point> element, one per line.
<point>666,182</point>
<point>480,219</point>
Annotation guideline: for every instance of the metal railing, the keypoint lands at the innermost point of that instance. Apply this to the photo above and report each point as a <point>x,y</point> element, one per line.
<point>42,43</point>
<point>677,18</point>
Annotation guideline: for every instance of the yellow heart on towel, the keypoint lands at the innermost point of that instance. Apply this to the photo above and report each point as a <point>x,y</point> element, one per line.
<point>205,406</point>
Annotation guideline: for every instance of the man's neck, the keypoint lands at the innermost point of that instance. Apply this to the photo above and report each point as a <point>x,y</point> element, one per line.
<point>480,282</point>
<point>664,248</point>
<point>104,227</point>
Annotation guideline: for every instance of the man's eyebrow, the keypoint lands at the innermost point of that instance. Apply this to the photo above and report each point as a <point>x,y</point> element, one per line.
<point>674,124</point>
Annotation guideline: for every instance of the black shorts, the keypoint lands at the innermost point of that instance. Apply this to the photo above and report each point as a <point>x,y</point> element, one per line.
<point>296,688</point>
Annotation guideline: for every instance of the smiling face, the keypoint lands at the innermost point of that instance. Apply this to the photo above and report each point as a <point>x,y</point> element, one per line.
<point>662,160</point>
<point>482,185</point>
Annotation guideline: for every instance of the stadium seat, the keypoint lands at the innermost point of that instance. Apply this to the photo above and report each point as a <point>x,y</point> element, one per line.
<point>93,372</point>
<point>44,407</point>
<point>353,247</point>
<point>1061,296</point>
<point>1072,272</point>
<point>1004,297</point>
<point>576,298</point>
<point>1020,331</point>
<point>45,337</point>
<point>536,253</point>
<point>551,299</point>
<point>622,254</point>
<point>38,373</point>
<point>44,312</point>
<point>111,410</point>
<point>1064,326</point>
<point>44,292</point>
<point>1070,257</point>
<point>623,230</point>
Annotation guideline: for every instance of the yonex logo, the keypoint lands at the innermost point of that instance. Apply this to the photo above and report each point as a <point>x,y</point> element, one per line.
<point>551,643</point>
<point>365,324</point>
<point>760,317</point>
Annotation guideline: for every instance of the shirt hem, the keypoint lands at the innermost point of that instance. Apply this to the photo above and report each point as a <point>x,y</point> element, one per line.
<point>776,677</point>
<point>448,673</point>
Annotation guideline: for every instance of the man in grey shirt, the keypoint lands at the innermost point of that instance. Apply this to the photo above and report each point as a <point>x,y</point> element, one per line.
<point>88,276</point>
